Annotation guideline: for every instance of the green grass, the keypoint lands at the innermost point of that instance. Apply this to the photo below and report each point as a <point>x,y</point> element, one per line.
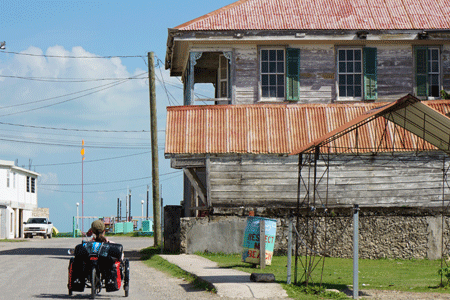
<point>11,241</point>
<point>152,259</point>
<point>419,275</point>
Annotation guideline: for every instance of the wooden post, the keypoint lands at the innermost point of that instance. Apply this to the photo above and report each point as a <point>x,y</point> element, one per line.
<point>155,163</point>
<point>262,244</point>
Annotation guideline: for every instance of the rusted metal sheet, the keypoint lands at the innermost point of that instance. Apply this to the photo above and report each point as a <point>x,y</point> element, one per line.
<point>325,14</point>
<point>283,128</point>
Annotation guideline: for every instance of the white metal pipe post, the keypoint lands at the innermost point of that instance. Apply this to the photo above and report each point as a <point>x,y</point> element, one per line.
<point>355,250</point>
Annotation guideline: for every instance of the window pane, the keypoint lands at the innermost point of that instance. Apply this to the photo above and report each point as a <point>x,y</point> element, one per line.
<point>273,91</point>
<point>342,91</point>
<point>280,80</point>
<point>265,80</point>
<point>280,67</point>
<point>341,79</point>
<point>349,54</point>
<point>434,79</point>
<point>350,79</point>
<point>350,91</point>
<point>357,54</point>
<point>349,67</point>
<point>272,67</point>
<point>357,67</point>
<point>435,66</point>
<point>273,79</point>
<point>280,91</point>
<point>280,55</point>
<point>264,67</point>
<point>434,54</point>
<point>341,55</point>
<point>264,55</point>
<point>357,91</point>
<point>265,91</point>
<point>357,79</point>
<point>272,55</point>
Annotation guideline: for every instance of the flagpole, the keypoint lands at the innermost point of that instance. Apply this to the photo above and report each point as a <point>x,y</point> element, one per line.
<point>82,187</point>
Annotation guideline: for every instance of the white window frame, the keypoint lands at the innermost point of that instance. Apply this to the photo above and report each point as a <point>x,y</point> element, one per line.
<point>361,61</point>
<point>221,80</point>
<point>430,72</point>
<point>8,178</point>
<point>271,99</point>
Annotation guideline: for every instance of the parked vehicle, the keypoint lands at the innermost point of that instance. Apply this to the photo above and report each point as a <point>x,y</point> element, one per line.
<point>38,226</point>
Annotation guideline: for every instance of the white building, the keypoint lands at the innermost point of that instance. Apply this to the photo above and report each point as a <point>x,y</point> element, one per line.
<point>18,198</point>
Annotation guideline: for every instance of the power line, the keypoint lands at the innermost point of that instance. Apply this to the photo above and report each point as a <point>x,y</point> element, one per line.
<point>92,160</point>
<point>76,129</point>
<point>107,191</point>
<point>52,79</point>
<point>76,145</point>
<point>108,85</point>
<point>71,56</point>
<point>107,182</point>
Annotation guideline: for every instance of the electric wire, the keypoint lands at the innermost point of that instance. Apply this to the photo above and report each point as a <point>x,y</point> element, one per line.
<point>71,56</point>
<point>106,182</point>
<point>100,88</point>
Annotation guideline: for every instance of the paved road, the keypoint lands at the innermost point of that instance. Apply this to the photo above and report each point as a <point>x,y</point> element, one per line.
<point>37,269</point>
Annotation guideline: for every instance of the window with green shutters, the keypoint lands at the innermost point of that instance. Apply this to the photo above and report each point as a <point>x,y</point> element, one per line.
<point>280,74</point>
<point>427,72</point>
<point>357,73</point>
<point>292,74</point>
<point>370,73</point>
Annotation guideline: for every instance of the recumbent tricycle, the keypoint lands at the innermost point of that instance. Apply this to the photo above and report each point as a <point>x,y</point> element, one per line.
<point>98,265</point>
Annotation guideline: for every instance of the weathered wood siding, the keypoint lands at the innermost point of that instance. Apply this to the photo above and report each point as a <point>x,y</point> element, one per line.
<point>383,180</point>
<point>317,73</point>
<point>246,72</point>
<point>395,71</point>
<point>446,67</point>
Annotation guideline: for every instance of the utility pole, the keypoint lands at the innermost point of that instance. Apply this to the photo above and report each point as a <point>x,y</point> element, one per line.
<point>155,163</point>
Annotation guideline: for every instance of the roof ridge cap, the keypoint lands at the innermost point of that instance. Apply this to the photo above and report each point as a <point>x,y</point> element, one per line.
<point>213,13</point>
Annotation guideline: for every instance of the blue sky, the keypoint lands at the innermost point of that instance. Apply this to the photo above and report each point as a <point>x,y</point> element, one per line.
<point>49,102</point>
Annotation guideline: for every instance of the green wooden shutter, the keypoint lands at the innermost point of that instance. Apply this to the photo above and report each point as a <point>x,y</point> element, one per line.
<point>370,73</point>
<point>421,58</point>
<point>292,74</point>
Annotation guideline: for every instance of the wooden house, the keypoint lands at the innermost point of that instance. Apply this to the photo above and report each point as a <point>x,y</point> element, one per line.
<point>286,72</point>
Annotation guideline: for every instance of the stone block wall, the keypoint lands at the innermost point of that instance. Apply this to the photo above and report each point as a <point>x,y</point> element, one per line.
<point>393,233</point>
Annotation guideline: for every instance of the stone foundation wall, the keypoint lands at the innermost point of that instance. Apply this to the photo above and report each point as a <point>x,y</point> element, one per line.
<point>394,233</point>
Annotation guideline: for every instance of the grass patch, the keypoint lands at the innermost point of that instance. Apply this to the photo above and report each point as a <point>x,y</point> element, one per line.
<point>152,259</point>
<point>416,275</point>
<point>11,241</point>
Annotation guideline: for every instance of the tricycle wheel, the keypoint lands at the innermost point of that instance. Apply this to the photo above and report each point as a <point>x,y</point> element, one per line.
<point>94,282</point>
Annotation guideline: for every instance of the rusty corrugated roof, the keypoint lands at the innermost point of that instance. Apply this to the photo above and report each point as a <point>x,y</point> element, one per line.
<point>325,14</point>
<point>281,128</point>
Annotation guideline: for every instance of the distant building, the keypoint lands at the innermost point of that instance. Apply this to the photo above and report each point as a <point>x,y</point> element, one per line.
<point>18,198</point>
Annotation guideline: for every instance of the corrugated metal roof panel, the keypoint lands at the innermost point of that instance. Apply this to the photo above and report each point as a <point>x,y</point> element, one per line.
<point>281,128</point>
<point>325,14</point>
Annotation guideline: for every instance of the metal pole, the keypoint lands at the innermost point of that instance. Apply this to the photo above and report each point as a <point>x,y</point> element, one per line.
<point>355,250</point>
<point>118,208</point>
<point>146,217</point>
<point>129,207</point>
<point>155,163</point>
<point>289,254</point>
<point>262,244</point>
